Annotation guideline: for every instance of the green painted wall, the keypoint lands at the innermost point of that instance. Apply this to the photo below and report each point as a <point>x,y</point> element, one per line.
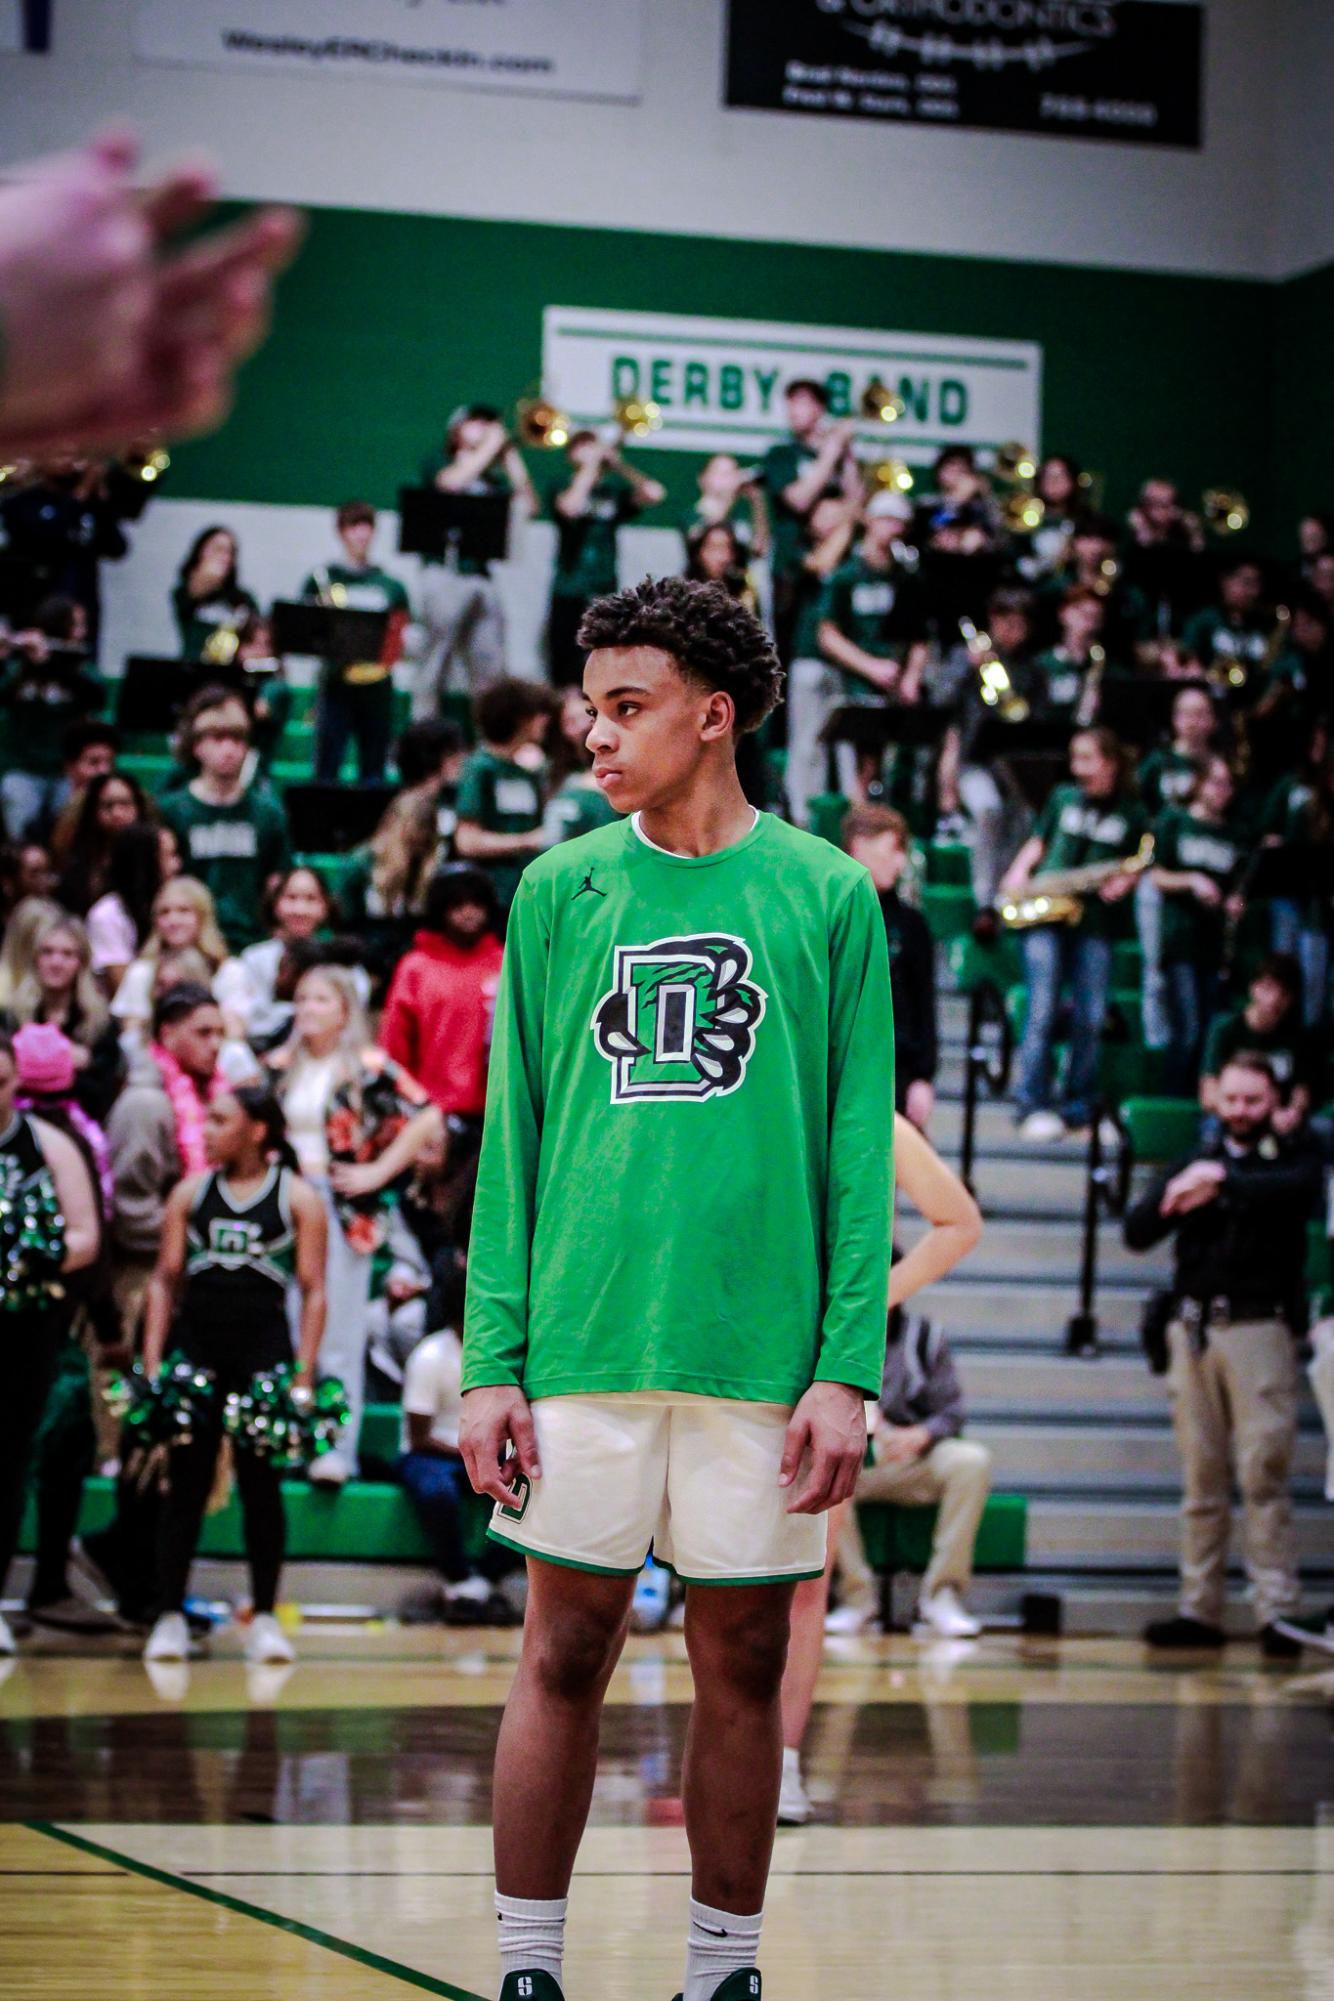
<point>387,321</point>
<point>1303,422</point>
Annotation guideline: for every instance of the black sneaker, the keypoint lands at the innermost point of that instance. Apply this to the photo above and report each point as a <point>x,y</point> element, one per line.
<point>1185,1634</point>
<point>741,1986</point>
<point>535,1986</point>
<point>1279,1642</point>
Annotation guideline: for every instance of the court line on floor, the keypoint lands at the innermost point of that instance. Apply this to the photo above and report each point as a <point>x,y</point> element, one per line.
<point>618,1875</point>
<point>409,1975</point>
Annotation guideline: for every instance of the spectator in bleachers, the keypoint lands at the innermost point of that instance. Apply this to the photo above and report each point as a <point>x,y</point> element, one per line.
<point>47,688</point>
<point>1198,854</point>
<point>957,527</point>
<point>143,857</point>
<point>730,496</point>
<point>600,493</point>
<point>155,1132</point>
<point>1238,1212</point>
<point>877,837</point>
<point>1068,676</point>
<point>1163,561</point>
<point>88,750</point>
<point>35,1313</point>
<point>298,909</point>
<point>67,520</point>
<point>996,816</point>
<point>184,919</point>
<point>438,1016</point>
<point>814,462</point>
<point>867,622</point>
<point>232,831</point>
<point>714,555</point>
<point>460,607</point>
<point>384,889</point>
<point>1269,1025</point>
<point>24,871</point>
<point>1045,551</point>
<point>429,757</point>
<point>27,920</point>
<point>357,699</point>
<point>576,803</point>
<point>1167,776</point>
<point>1298,819</point>
<point>357,1121</point>
<point>1093,564</point>
<point>61,992</point>
<point>112,802</point>
<point>500,792</point>
<point>1096,819</point>
<point>209,602</point>
<point>919,1457</point>
<point>1234,631</point>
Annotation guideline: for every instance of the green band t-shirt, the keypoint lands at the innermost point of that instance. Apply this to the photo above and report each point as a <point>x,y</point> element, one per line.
<point>686,1174</point>
<point>586,543</point>
<point>1184,845</point>
<point>502,797</point>
<point>1079,832</point>
<point>233,850</point>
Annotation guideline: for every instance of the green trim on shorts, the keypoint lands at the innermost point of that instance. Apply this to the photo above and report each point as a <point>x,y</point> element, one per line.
<point>566,1562</point>
<point>733,1583</point>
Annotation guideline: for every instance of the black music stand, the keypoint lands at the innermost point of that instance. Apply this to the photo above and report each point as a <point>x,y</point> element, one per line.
<point>475,527</point>
<point>872,728</point>
<point>333,819</point>
<point>337,633</point>
<point>1033,753</point>
<point>154,689</point>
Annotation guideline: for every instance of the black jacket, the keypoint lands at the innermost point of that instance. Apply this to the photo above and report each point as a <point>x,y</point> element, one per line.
<point>912,977</point>
<point>1247,1246</point>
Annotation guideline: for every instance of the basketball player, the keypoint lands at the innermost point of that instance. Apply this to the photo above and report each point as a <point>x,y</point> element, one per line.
<point>679,1261</point>
<point>955,1228</point>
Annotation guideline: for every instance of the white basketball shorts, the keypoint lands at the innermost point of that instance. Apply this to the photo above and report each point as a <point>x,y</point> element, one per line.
<point>695,1478</point>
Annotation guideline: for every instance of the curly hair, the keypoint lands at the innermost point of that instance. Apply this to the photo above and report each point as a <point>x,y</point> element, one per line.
<point>712,638</point>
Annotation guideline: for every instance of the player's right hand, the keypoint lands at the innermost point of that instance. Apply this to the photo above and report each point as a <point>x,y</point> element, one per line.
<point>495,1417</point>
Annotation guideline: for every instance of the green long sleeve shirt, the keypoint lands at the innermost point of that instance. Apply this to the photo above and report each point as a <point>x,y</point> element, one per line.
<point>686,1176</point>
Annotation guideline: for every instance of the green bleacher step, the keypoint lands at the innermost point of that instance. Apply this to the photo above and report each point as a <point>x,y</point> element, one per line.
<point>899,1538</point>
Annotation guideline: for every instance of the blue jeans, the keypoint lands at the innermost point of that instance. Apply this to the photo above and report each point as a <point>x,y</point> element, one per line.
<point>1291,930</point>
<point>1054,956</point>
<point>1192,993</point>
<point>26,798</point>
<point>437,1487</point>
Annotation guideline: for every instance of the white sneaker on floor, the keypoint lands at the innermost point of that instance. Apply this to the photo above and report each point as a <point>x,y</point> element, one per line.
<point>794,1807</point>
<point>266,1644</point>
<point>330,1470</point>
<point>1042,1128</point>
<point>468,1591</point>
<point>8,1644</point>
<point>848,1621</point>
<point>943,1617</point>
<point>169,1639</point>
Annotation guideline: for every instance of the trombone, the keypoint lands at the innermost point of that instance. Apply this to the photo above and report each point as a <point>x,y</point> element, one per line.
<point>995,687</point>
<point>1016,466</point>
<point>879,404</point>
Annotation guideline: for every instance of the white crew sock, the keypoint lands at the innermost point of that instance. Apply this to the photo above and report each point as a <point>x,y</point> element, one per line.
<point>791,1762</point>
<point>532,1934</point>
<point>720,1943</point>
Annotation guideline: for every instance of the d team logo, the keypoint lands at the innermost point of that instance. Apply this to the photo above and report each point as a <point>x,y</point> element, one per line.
<point>680,1020</point>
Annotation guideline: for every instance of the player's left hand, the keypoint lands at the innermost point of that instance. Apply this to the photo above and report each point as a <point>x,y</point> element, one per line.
<point>830,1424</point>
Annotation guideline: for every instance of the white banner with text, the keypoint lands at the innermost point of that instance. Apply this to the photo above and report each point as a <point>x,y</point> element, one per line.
<point>545,46</point>
<point>718,384</point>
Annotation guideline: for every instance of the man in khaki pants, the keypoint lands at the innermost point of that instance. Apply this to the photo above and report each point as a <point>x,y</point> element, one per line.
<point>919,1459</point>
<point>1239,1212</point>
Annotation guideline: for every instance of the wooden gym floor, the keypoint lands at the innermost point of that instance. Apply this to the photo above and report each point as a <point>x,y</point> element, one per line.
<point>994,1821</point>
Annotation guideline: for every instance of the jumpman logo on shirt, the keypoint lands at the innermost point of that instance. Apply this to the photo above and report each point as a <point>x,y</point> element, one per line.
<point>587,888</point>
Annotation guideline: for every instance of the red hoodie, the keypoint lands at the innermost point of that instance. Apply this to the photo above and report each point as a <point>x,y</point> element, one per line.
<point>437,1019</point>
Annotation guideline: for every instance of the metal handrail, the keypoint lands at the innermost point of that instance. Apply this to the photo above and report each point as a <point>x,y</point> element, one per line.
<point>987,1061</point>
<point>1106,1191</point>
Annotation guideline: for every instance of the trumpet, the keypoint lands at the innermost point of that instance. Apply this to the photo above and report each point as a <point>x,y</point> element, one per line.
<point>635,417</point>
<point>879,403</point>
<point>540,424</point>
<point>1226,512</point>
<point>1017,467</point>
<point>224,642</point>
<point>888,475</point>
<point>995,687</point>
<point>146,463</point>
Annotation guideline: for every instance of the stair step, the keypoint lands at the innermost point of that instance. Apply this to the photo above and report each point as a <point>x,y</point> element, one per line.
<point>1046,1249</point>
<point>1142,1457</point>
<point>1068,1534</point>
<point>974,1309</point>
<point>1001,1382</point>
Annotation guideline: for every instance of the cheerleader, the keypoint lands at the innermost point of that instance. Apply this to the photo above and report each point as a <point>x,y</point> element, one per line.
<point>233,1240</point>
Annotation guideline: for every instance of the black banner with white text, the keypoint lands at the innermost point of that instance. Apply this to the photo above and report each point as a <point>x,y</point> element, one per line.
<point>1126,70</point>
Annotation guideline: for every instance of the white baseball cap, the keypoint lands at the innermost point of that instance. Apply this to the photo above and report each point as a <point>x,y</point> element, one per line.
<point>889,506</point>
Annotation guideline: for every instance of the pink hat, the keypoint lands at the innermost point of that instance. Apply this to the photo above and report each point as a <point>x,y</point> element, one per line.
<point>45,1059</point>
